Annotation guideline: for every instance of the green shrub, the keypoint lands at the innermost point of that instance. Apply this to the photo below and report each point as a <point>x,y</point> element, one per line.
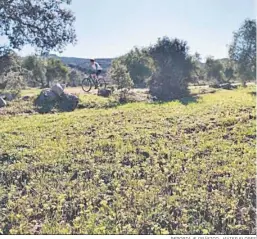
<point>119,74</point>
<point>173,64</point>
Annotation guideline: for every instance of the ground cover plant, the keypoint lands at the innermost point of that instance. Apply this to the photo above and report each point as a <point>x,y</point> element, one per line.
<point>182,167</point>
<point>23,106</point>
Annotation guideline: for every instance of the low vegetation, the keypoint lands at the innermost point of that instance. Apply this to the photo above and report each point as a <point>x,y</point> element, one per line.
<point>184,167</point>
<point>174,160</point>
<point>23,102</point>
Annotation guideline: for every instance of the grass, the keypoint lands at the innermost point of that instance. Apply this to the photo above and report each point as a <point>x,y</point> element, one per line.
<point>86,101</point>
<point>30,92</point>
<point>139,168</point>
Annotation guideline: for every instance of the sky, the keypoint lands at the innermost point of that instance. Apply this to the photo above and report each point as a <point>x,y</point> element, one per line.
<point>110,28</point>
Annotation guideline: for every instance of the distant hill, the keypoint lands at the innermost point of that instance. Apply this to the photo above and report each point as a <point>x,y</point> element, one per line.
<point>104,62</point>
<point>84,62</point>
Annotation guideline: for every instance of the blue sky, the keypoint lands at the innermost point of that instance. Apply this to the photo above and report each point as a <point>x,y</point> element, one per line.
<point>109,28</point>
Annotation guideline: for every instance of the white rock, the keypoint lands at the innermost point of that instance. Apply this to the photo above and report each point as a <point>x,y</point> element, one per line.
<point>2,102</point>
<point>57,89</point>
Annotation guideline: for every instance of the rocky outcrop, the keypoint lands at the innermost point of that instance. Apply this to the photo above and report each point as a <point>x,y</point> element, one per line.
<point>45,97</point>
<point>2,102</point>
<point>58,89</point>
<point>9,95</point>
<point>68,102</point>
<point>56,98</point>
<point>104,92</point>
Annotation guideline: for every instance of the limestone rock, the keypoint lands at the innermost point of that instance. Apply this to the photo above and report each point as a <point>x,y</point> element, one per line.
<point>57,89</point>
<point>2,102</point>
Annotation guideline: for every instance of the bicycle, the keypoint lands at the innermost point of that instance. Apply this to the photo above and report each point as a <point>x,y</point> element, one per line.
<point>90,80</point>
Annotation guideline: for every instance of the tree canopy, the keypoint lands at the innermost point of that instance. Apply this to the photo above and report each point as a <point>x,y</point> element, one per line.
<point>214,70</point>
<point>173,68</point>
<point>56,70</point>
<point>139,65</point>
<point>243,50</point>
<point>37,68</point>
<point>11,71</point>
<point>120,75</point>
<point>44,24</point>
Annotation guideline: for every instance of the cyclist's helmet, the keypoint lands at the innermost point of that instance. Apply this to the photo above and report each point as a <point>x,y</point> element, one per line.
<point>92,59</point>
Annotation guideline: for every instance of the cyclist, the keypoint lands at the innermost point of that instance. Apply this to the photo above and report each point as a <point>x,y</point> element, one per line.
<point>95,65</point>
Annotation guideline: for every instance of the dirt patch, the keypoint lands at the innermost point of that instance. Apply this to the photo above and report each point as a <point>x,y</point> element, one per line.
<point>78,90</point>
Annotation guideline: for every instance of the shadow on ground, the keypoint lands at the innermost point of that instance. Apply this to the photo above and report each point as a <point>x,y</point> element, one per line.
<point>252,93</point>
<point>189,100</point>
<point>184,101</point>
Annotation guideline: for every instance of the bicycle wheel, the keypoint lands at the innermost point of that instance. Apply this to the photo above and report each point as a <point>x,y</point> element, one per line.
<point>86,84</point>
<point>101,83</point>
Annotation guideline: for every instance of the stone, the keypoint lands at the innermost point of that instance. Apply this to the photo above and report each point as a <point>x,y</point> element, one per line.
<point>46,96</point>
<point>57,89</point>
<point>2,102</point>
<point>226,86</point>
<point>7,96</point>
<point>104,92</point>
<point>68,102</point>
<point>215,86</point>
<point>26,98</point>
<point>49,100</point>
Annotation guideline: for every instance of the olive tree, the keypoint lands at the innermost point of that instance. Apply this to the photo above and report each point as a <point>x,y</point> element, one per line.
<point>173,68</point>
<point>44,24</point>
<point>243,50</point>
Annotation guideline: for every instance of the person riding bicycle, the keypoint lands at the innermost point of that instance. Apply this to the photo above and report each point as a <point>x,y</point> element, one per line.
<point>97,68</point>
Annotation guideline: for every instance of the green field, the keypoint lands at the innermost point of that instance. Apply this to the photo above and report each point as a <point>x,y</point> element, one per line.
<point>183,167</point>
